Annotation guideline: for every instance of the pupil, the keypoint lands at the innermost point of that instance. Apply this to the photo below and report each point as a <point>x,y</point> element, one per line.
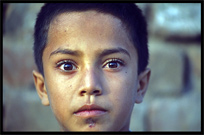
<point>68,67</point>
<point>113,65</point>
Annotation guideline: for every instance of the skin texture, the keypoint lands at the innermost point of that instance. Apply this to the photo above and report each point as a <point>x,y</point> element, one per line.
<point>92,79</point>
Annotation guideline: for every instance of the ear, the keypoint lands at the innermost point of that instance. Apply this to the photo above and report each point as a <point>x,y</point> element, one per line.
<point>40,87</point>
<point>143,81</point>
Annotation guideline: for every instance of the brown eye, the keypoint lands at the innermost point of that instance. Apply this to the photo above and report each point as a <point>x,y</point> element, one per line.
<point>113,64</point>
<point>66,66</point>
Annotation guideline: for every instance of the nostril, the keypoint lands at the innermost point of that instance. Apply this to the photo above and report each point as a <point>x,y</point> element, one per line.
<point>96,92</point>
<point>92,92</point>
<point>83,92</point>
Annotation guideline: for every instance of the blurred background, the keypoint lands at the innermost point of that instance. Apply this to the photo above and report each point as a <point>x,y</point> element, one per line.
<point>173,99</point>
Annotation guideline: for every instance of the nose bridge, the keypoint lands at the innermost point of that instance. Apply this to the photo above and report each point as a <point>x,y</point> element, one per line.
<point>91,81</point>
<point>90,77</point>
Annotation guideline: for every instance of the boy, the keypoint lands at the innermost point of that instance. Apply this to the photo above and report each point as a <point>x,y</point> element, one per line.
<point>92,61</point>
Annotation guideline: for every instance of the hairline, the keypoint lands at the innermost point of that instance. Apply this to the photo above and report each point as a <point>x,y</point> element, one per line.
<point>123,24</point>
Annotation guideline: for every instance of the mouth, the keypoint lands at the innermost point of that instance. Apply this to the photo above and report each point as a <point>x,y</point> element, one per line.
<point>90,111</point>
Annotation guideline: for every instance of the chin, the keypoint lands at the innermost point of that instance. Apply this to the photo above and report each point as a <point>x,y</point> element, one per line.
<point>90,129</point>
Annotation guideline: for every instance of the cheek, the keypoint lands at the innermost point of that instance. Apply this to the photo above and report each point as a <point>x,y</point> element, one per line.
<point>55,92</point>
<point>122,87</point>
<point>59,93</point>
<point>122,97</point>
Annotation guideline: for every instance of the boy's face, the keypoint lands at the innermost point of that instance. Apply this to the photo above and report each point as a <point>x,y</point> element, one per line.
<point>90,73</point>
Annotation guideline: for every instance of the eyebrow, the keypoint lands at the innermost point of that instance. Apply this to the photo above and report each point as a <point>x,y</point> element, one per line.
<point>102,54</point>
<point>66,51</point>
<point>114,50</point>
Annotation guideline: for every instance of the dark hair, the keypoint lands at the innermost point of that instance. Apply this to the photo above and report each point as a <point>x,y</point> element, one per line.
<point>128,13</point>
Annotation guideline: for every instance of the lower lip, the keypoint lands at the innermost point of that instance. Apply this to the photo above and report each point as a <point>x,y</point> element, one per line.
<point>90,113</point>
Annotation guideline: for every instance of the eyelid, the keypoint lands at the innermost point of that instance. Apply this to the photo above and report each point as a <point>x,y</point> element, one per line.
<point>59,63</point>
<point>113,60</point>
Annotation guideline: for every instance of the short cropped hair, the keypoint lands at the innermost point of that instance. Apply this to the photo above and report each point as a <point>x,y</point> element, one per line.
<point>130,15</point>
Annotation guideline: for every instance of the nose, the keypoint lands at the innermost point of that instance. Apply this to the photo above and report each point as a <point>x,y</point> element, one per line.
<point>90,83</point>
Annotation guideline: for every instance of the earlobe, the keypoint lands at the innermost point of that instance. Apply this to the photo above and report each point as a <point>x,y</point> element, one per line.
<point>143,81</point>
<point>40,87</point>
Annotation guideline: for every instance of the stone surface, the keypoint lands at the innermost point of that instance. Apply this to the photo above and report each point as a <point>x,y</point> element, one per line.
<point>166,63</point>
<point>18,61</point>
<point>177,22</point>
<point>17,68</point>
<point>177,19</point>
<point>23,111</point>
<point>25,23</point>
<point>175,114</point>
<point>137,122</point>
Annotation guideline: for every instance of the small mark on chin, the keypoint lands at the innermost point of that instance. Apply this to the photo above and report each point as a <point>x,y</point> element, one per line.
<point>91,122</point>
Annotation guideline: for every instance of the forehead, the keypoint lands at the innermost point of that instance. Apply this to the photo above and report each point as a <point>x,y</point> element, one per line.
<point>90,28</point>
<point>87,22</point>
<point>84,17</point>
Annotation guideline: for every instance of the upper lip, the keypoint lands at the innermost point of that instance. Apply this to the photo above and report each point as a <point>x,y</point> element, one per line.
<point>90,107</point>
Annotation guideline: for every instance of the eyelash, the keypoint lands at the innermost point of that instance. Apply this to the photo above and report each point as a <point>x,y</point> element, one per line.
<point>121,62</point>
<point>73,63</point>
<point>60,63</point>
